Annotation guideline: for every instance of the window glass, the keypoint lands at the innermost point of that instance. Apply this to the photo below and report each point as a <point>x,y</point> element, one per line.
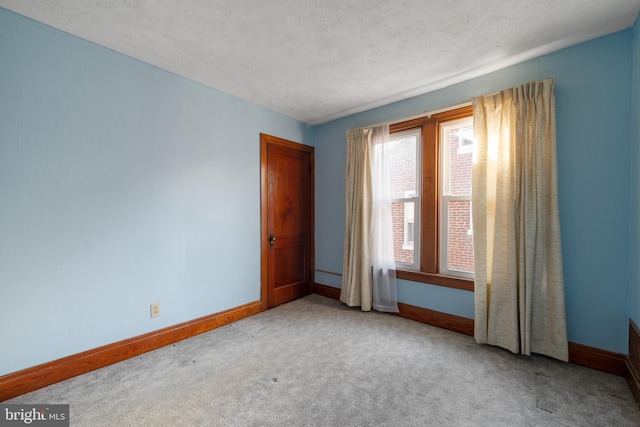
<point>456,242</point>
<point>405,191</point>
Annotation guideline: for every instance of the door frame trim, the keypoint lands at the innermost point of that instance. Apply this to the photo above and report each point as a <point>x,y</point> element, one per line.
<point>266,140</point>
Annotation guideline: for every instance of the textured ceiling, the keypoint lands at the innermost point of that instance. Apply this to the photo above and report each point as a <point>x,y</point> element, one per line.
<point>317,60</point>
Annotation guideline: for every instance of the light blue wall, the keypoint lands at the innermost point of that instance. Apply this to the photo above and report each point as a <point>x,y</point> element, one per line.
<point>121,185</point>
<point>634,285</point>
<point>593,111</point>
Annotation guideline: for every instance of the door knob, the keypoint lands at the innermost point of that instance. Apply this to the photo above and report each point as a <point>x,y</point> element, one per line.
<point>272,240</point>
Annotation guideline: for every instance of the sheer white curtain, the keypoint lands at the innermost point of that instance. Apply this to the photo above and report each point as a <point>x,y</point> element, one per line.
<point>519,287</point>
<point>385,296</point>
<point>368,271</point>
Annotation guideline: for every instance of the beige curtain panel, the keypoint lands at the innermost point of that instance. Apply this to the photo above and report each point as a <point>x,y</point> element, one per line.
<point>519,287</point>
<point>356,265</point>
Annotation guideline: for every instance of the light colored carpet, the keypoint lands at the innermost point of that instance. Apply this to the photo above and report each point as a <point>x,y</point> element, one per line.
<point>315,362</point>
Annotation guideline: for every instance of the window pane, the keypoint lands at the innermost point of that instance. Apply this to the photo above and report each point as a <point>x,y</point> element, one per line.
<point>459,150</point>
<point>456,244</point>
<point>460,242</point>
<point>405,192</point>
<point>403,165</point>
<point>403,231</point>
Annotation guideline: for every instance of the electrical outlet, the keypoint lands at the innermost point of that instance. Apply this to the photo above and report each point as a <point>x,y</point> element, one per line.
<point>155,310</point>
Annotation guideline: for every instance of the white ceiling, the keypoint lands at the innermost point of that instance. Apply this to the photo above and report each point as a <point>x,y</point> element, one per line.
<point>317,60</point>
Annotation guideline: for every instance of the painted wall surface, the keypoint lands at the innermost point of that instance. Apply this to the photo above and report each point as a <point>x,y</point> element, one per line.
<point>593,110</point>
<point>634,285</point>
<point>121,185</point>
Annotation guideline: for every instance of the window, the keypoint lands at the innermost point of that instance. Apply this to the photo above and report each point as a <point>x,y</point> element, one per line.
<point>431,190</point>
<point>465,138</point>
<point>405,190</point>
<point>409,221</point>
<point>456,237</point>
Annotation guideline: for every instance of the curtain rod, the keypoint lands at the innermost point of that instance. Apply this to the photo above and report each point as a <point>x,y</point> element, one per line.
<point>425,113</point>
<point>429,113</point>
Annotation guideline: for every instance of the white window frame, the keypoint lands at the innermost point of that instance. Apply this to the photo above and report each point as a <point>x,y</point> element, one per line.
<point>446,198</point>
<point>415,198</point>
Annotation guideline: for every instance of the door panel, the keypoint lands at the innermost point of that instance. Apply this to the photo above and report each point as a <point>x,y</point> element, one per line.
<point>287,218</point>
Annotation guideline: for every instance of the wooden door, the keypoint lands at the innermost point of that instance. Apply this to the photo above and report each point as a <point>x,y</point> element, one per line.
<point>287,220</point>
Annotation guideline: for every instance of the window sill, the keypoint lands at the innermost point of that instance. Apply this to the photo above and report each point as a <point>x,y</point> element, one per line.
<point>436,279</point>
